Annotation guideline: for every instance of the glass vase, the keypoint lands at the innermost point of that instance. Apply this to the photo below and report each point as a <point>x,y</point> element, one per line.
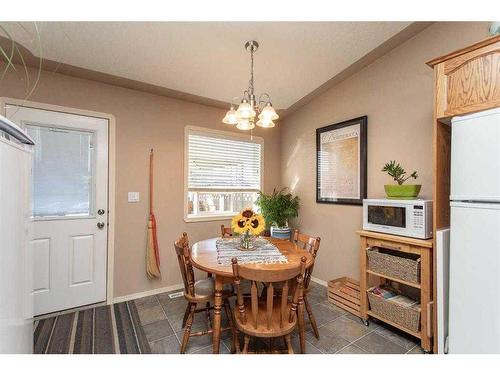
<point>246,241</point>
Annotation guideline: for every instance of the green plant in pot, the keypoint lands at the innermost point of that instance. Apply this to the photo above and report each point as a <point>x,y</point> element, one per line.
<point>400,191</point>
<point>278,208</point>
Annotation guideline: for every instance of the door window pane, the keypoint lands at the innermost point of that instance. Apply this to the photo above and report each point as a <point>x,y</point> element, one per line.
<point>62,172</point>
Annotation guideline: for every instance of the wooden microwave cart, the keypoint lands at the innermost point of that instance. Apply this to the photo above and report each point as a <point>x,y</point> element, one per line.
<point>422,248</point>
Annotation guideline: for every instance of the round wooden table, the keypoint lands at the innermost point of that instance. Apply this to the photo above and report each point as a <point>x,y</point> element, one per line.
<point>204,257</point>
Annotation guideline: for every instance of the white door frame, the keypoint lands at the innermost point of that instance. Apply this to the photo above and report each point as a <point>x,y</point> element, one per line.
<point>111,172</point>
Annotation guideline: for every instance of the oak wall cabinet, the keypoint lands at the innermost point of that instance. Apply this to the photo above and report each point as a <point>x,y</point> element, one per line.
<point>465,81</point>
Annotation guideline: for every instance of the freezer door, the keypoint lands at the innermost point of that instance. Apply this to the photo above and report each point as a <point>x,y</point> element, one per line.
<point>474,310</point>
<point>475,157</point>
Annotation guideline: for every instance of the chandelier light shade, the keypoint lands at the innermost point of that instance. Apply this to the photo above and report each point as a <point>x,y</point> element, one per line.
<point>230,117</point>
<point>249,108</point>
<point>245,110</point>
<point>265,123</point>
<point>268,112</point>
<point>245,124</point>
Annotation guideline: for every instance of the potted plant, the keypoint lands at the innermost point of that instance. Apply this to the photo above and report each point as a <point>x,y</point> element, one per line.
<point>400,191</point>
<point>278,208</point>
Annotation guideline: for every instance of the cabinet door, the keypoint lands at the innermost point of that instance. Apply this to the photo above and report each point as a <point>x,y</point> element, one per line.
<point>469,82</point>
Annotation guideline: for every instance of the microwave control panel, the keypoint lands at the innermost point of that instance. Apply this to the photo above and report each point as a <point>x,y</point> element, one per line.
<point>418,216</point>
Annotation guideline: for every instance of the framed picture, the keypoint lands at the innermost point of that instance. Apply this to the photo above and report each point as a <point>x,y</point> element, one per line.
<point>341,160</point>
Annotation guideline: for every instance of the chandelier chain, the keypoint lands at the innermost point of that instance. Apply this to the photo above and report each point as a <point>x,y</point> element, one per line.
<point>251,88</point>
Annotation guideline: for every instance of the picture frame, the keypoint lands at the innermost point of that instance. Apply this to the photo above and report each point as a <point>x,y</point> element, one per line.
<point>341,162</point>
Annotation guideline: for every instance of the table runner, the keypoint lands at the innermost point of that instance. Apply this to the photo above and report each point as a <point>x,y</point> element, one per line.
<point>264,252</point>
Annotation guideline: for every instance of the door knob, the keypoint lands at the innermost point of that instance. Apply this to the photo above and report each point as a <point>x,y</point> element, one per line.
<point>100,211</point>
<point>100,225</point>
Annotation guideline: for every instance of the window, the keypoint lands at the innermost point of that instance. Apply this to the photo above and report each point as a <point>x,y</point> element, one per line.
<point>63,172</point>
<point>223,173</point>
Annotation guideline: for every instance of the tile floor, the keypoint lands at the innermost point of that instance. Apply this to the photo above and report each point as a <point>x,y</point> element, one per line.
<point>340,331</point>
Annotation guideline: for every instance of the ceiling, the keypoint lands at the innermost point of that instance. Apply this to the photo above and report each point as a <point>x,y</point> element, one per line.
<point>208,59</point>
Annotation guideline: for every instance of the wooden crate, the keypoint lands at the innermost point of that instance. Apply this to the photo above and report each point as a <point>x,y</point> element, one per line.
<point>344,293</point>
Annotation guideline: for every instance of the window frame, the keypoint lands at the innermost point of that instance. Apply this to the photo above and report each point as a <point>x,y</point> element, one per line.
<point>218,134</point>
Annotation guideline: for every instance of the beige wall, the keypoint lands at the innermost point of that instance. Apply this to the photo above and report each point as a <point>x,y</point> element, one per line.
<point>143,121</point>
<point>396,93</point>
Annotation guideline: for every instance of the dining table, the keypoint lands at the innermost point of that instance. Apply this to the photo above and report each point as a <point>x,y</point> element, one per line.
<point>204,256</point>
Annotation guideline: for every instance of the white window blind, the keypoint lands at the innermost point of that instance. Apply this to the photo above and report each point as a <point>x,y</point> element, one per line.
<point>63,172</point>
<point>223,173</point>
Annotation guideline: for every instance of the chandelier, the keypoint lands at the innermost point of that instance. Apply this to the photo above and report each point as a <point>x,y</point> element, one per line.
<point>249,109</point>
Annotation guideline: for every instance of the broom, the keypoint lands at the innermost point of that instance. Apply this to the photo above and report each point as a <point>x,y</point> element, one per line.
<point>152,250</point>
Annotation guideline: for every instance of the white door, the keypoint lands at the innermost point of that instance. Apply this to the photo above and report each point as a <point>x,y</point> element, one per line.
<point>474,302</point>
<point>70,207</point>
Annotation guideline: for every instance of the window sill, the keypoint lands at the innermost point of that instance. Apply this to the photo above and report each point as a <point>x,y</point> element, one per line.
<point>208,218</point>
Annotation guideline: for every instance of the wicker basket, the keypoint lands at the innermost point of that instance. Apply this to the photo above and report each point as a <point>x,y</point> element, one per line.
<point>407,317</point>
<point>394,264</point>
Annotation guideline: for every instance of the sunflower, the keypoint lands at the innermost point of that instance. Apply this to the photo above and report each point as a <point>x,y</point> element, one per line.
<point>247,213</point>
<point>239,224</point>
<point>257,224</point>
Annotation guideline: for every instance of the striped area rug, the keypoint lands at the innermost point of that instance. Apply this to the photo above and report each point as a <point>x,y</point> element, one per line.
<point>100,330</point>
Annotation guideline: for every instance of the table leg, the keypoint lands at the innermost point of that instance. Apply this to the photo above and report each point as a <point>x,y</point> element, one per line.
<point>219,285</point>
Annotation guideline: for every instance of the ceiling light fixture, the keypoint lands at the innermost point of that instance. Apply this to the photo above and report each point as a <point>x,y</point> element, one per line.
<point>249,108</point>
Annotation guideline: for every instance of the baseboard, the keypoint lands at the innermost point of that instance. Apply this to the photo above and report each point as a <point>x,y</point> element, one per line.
<point>147,293</point>
<point>319,281</point>
<point>170,288</point>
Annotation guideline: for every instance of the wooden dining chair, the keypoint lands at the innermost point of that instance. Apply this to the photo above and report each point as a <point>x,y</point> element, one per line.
<point>225,231</point>
<point>199,292</point>
<point>310,244</point>
<point>272,315</point>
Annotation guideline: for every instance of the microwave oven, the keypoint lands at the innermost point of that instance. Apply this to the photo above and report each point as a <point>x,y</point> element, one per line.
<point>410,218</point>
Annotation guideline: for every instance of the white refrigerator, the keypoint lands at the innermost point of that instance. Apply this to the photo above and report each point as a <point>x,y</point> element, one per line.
<point>474,298</point>
<point>16,266</point>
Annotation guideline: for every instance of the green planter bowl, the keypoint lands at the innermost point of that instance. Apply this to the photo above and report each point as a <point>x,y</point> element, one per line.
<point>402,191</point>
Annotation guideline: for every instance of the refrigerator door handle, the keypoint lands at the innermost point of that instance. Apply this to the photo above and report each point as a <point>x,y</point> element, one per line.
<point>15,131</point>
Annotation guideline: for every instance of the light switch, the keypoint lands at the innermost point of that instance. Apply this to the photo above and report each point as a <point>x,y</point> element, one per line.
<point>133,196</point>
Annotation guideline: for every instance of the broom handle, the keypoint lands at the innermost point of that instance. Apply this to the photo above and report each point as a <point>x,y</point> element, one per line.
<point>151,181</point>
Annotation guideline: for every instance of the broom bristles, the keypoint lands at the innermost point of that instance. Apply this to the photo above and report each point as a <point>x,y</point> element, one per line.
<point>152,261</point>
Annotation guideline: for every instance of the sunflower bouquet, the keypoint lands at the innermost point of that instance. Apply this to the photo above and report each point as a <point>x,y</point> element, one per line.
<point>247,224</point>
